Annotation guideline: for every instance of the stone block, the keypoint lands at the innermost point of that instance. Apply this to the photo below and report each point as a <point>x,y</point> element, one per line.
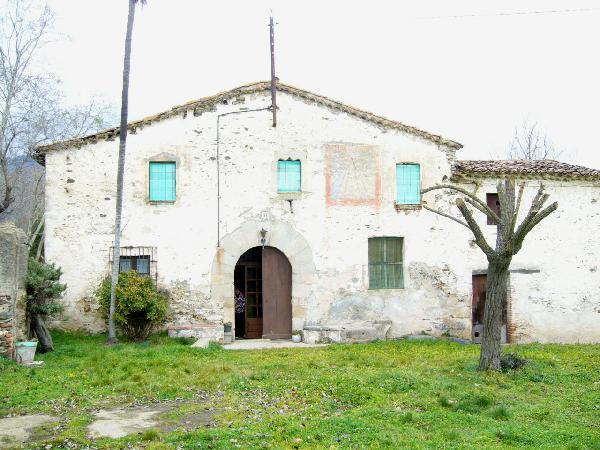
<point>201,343</point>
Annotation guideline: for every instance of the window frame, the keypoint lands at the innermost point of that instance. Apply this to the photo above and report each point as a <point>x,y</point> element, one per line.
<point>162,201</point>
<point>134,263</point>
<point>287,190</point>
<point>403,202</point>
<point>385,264</point>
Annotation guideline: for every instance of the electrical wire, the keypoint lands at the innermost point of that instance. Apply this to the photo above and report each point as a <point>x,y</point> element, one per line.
<point>513,13</point>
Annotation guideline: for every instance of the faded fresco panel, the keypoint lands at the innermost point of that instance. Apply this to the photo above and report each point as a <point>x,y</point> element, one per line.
<point>352,174</point>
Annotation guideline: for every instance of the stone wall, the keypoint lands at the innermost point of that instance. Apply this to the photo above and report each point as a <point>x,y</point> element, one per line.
<point>13,266</point>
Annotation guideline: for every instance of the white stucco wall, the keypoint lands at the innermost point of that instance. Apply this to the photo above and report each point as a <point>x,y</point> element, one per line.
<point>329,236</point>
<point>555,278</point>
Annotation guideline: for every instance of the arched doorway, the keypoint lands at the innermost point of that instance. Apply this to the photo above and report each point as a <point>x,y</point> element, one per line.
<point>264,277</point>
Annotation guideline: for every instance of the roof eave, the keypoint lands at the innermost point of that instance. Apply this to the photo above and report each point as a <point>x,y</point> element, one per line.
<point>209,103</point>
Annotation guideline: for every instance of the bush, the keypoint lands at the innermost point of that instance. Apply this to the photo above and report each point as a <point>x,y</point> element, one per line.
<point>43,291</point>
<point>139,307</point>
<point>511,361</point>
<point>43,288</point>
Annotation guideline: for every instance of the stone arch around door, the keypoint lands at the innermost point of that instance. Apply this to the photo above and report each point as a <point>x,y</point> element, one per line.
<point>280,235</point>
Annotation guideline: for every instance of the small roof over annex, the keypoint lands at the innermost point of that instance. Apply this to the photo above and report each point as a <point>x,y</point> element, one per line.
<point>209,103</point>
<point>522,168</point>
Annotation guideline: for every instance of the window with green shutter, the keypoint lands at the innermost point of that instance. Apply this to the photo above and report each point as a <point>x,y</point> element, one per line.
<point>162,181</point>
<point>408,184</point>
<point>385,263</point>
<point>288,176</point>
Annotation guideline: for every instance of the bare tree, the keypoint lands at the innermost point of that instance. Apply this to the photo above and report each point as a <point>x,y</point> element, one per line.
<point>530,142</point>
<point>112,332</point>
<point>509,241</point>
<point>33,112</point>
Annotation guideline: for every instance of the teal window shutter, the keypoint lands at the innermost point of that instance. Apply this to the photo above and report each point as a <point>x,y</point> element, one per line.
<point>288,176</point>
<point>408,184</point>
<point>386,269</point>
<point>162,181</point>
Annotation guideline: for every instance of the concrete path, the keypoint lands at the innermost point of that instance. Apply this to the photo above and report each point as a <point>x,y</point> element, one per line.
<point>119,422</point>
<point>17,430</point>
<point>262,344</point>
<point>116,423</point>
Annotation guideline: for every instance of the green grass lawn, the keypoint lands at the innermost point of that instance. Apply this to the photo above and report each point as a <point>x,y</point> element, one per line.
<point>388,394</point>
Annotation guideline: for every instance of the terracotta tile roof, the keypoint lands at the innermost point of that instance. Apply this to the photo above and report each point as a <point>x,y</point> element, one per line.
<point>540,168</point>
<point>199,106</point>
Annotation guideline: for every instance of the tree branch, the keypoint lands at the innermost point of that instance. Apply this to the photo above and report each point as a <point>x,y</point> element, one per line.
<point>536,204</point>
<point>445,215</point>
<point>513,222</point>
<point>493,215</point>
<point>472,225</point>
<point>519,237</point>
<point>482,206</point>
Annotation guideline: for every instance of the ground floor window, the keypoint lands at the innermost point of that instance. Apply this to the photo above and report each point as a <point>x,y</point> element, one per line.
<point>141,264</point>
<point>140,259</point>
<point>385,263</point>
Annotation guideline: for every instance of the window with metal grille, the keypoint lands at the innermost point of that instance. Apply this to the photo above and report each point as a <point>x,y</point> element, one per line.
<point>385,263</point>
<point>288,176</point>
<point>140,259</point>
<point>162,181</point>
<point>493,202</point>
<point>408,184</point>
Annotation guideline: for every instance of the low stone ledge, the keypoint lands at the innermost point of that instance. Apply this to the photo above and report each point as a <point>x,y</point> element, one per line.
<point>346,332</point>
<point>211,331</point>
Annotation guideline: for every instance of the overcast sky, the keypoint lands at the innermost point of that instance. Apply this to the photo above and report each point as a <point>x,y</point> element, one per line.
<point>469,70</point>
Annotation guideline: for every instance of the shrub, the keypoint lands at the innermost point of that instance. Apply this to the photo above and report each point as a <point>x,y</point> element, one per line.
<point>139,305</point>
<point>511,361</point>
<point>43,291</point>
<point>43,288</point>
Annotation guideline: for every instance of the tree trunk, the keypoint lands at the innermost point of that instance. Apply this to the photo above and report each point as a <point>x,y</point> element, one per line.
<point>495,298</point>
<point>112,332</point>
<point>38,326</point>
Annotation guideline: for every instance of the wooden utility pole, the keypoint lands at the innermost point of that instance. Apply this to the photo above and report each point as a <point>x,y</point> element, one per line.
<point>273,78</point>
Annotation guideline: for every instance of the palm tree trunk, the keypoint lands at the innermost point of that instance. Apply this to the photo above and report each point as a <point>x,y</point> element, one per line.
<point>112,333</point>
<point>495,298</point>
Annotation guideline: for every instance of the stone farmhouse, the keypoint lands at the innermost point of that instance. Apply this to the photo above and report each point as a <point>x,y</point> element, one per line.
<point>318,221</point>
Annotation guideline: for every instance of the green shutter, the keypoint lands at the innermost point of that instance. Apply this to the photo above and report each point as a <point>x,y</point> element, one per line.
<point>162,181</point>
<point>408,184</point>
<point>385,263</point>
<point>288,176</point>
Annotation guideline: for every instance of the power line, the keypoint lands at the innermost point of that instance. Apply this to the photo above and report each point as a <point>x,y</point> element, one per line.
<point>514,13</point>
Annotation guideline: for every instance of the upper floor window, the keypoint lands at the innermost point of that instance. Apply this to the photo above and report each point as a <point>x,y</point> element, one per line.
<point>162,181</point>
<point>385,263</point>
<point>408,184</point>
<point>288,176</point>
<point>493,202</point>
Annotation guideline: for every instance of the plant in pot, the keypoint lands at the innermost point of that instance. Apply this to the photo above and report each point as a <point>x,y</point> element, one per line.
<point>43,288</point>
<point>227,333</point>
<point>297,336</point>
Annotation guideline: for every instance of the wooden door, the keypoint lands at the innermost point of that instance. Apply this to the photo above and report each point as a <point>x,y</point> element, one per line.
<point>277,295</point>
<point>479,292</point>
<point>254,301</point>
<point>479,282</point>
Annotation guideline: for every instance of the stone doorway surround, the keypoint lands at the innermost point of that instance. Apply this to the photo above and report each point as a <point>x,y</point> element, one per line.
<point>284,237</point>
